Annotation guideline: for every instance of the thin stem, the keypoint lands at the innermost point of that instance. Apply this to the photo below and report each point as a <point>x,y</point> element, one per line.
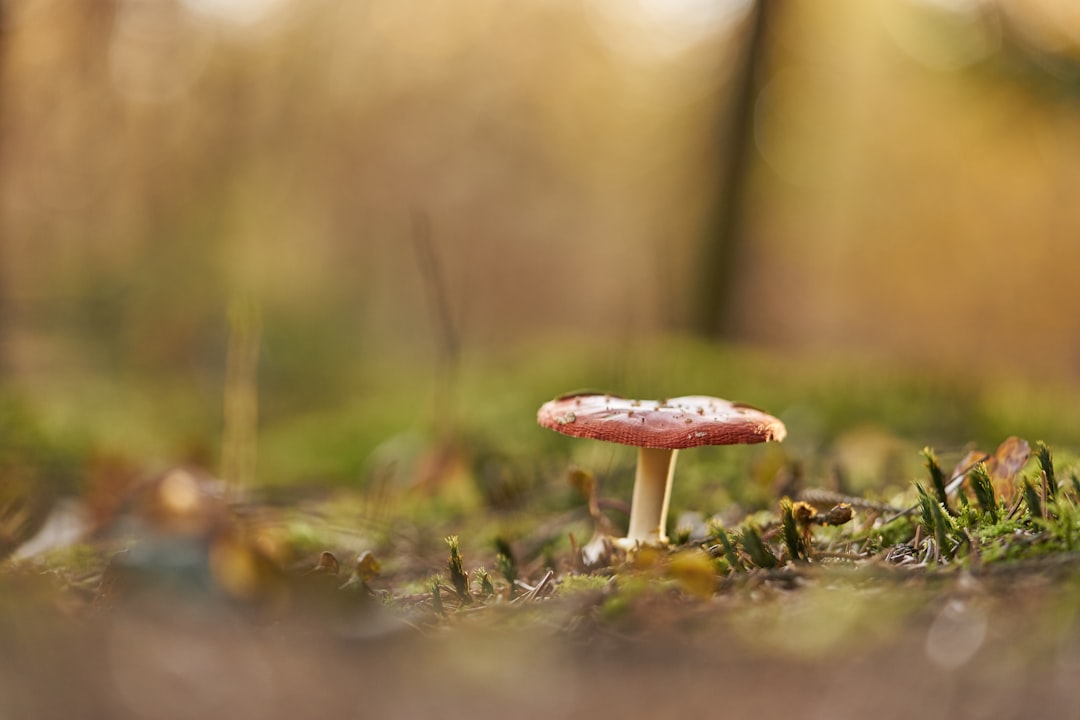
<point>241,413</point>
<point>652,493</point>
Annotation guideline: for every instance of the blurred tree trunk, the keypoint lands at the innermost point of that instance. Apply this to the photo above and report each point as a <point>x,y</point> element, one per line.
<point>5,308</point>
<point>713,310</point>
<point>80,42</point>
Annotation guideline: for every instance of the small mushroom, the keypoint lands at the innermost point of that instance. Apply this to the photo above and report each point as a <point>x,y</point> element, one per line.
<point>658,429</point>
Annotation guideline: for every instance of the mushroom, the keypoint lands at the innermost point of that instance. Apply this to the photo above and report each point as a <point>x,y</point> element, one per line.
<point>658,428</point>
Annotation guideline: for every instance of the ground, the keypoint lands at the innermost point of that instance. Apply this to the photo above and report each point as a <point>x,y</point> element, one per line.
<point>843,576</point>
<point>976,647</point>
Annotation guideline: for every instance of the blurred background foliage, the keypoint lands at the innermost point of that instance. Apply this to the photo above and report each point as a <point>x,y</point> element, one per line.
<point>861,215</point>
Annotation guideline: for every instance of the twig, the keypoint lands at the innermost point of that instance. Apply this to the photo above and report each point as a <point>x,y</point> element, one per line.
<point>1017,504</point>
<point>840,555</point>
<point>438,302</point>
<point>534,592</point>
<point>446,336</point>
<point>958,478</point>
<point>821,496</point>
<point>955,482</point>
<point>241,406</point>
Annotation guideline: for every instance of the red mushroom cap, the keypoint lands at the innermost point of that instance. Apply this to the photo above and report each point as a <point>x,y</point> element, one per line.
<point>674,424</point>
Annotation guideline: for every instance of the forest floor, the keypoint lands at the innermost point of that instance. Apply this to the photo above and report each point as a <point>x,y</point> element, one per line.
<point>940,613</point>
<point>846,577</point>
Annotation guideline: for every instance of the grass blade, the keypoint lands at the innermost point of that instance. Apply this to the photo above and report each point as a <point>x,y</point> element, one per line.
<point>792,537</point>
<point>755,547</point>
<point>937,477</point>
<point>983,487</point>
<point>1031,499</point>
<point>1046,463</point>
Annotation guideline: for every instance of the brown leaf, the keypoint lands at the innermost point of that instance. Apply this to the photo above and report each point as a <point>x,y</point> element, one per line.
<point>1010,458</point>
<point>367,567</point>
<point>970,460</point>
<point>327,563</point>
<point>1006,462</point>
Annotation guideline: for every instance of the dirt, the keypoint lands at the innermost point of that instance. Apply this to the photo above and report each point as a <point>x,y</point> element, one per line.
<point>814,646</point>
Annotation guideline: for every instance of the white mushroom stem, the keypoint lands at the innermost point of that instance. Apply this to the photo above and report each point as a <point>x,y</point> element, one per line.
<point>652,493</point>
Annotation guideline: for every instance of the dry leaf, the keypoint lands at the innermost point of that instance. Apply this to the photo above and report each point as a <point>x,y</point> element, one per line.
<point>1007,461</point>
<point>1010,458</point>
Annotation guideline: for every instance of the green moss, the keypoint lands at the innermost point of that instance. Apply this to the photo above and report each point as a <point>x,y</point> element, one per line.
<point>615,607</point>
<point>756,549</point>
<point>77,558</point>
<point>582,584</point>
